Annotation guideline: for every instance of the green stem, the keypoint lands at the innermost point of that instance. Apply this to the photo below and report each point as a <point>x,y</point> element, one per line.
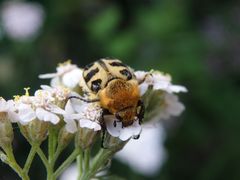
<point>50,167</point>
<point>42,157</point>
<point>86,159</point>
<point>56,155</point>
<point>84,162</point>
<point>39,150</point>
<point>50,144</point>
<point>99,160</point>
<point>54,139</point>
<point>14,165</point>
<point>80,165</point>
<point>30,158</point>
<point>67,162</point>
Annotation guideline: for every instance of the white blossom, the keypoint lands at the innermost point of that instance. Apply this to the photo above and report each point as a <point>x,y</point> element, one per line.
<point>158,81</point>
<point>67,75</point>
<point>87,115</point>
<point>5,106</point>
<point>26,113</point>
<point>147,154</point>
<point>60,93</point>
<point>9,108</point>
<point>123,133</point>
<point>170,107</point>
<point>71,173</point>
<point>22,20</point>
<point>69,118</point>
<point>40,106</point>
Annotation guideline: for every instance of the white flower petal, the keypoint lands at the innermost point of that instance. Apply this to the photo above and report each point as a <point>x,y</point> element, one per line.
<point>3,105</point>
<point>78,105</point>
<point>140,75</point>
<point>147,154</point>
<point>113,131</point>
<point>71,113</point>
<point>55,82</point>
<point>71,173</point>
<point>161,85</point>
<point>69,118</point>
<point>26,113</point>
<point>47,116</point>
<point>128,132</point>
<point>57,110</point>
<point>68,107</point>
<point>143,88</point>
<point>46,88</point>
<point>72,78</point>
<point>11,105</point>
<point>85,123</point>
<point>73,116</point>
<point>175,109</point>
<point>71,125</point>
<point>171,107</point>
<point>124,133</point>
<point>177,89</point>
<point>47,76</point>
<point>65,68</point>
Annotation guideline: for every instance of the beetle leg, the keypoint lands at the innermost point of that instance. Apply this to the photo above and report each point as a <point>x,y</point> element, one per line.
<point>115,123</point>
<point>140,114</point>
<point>103,127</point>
<point>103,139</point>
<point>136,137</point>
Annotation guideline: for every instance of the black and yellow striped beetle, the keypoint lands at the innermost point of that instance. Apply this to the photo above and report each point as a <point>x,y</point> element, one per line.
<point>116,89</point>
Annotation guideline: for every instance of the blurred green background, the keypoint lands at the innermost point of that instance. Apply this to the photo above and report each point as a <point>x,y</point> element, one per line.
<point>197,42</point>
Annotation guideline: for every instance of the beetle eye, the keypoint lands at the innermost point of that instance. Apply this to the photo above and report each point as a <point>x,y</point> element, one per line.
<point>126,73</point>
<point>96,85</point>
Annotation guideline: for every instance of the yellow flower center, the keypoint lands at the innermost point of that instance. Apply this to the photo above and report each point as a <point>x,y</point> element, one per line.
<point>16,97</point>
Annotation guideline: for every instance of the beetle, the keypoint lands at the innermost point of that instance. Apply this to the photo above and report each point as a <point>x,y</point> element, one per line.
<point>114,85</point>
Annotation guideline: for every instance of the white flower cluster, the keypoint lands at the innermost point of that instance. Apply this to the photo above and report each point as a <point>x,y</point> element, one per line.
<point>157,81</point>
<point>52,103</point>
<point>67,75</point>
<point>21,20</point>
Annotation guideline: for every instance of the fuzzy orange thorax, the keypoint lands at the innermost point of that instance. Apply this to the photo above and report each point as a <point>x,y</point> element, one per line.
<point>120,94</point>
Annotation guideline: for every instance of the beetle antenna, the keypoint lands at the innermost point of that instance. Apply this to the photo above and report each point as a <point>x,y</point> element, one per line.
<point>82,99</point>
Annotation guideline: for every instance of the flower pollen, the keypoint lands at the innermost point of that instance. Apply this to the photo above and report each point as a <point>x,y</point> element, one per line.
<point>16,97</point>
<point>27,91</point>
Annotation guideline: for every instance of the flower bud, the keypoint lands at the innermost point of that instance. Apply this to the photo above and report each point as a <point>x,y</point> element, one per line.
<point>6,131</point>
<point>64,138</point>
<point>161,105</point>
<point>113,143</point>
<point>36,130</point>
<point>85,137</point>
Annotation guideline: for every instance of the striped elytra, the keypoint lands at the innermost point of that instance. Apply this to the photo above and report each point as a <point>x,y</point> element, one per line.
<point>98,74</point>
